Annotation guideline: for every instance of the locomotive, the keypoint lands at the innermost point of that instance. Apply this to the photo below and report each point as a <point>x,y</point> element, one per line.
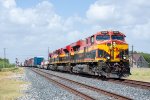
<point>103,54</point>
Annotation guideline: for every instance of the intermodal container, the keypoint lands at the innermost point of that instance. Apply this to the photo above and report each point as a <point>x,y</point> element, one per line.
<point>37,61</point>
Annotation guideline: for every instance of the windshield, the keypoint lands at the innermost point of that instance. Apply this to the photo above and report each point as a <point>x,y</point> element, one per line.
<point>102,37</point>
<point>115,37</point>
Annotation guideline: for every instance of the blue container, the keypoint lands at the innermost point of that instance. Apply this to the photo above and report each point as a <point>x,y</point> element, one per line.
<point>38,60</point>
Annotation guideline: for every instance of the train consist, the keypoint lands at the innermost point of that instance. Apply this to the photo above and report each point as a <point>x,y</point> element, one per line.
<point>34,62</point>
<point>104,53</point>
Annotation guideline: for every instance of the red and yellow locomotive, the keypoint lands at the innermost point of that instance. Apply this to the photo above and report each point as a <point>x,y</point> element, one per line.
<point>104,53</point>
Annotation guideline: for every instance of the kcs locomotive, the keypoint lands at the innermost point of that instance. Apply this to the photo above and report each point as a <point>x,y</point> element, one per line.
<point>104,53</point>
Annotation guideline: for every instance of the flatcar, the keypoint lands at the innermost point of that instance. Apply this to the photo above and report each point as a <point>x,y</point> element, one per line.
<point>104,54</point>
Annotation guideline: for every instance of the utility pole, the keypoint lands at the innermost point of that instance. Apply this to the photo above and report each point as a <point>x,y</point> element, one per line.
<point>16,62</point>
<point>132,55</point>
<point>4,58</point>
<point>48,53</point>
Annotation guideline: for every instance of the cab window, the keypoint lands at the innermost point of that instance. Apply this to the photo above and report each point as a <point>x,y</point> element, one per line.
<point>92,39</point>
<point>102,37</point>
<point>117,37</point>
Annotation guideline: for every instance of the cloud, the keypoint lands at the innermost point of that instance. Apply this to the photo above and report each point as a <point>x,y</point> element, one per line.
<point>100,12</point>
<point>132,17</point>
<point>28,32</point>
<point>28,28</point>
<point>120,15</point>
<point>141,32</point>
<point>8,3</point>
<point>121,12</point>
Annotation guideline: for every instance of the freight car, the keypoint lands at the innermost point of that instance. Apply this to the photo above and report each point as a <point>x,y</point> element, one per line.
<point>104,53</point>
<point>33,62</point>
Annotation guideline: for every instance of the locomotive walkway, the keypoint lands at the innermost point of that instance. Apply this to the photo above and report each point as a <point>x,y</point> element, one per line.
<point>53,78</point>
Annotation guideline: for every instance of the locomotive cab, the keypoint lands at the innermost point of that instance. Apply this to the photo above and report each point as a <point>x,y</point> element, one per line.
<point>113,44</point>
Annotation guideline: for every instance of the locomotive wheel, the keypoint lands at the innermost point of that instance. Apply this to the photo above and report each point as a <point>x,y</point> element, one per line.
<point>103,77</point>
<point>48,67</point>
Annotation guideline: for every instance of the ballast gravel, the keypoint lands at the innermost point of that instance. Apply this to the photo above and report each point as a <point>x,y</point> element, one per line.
<point>132,92</point>
<point>90,93</point>
<point>42,89</point>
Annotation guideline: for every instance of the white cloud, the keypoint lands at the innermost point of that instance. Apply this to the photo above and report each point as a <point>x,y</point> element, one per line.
<point>8,3</point>
<point>141,32</point>
<point>31,31</point>
<point>100,12</point>
<point>121,14</point>
<point>38,28</point>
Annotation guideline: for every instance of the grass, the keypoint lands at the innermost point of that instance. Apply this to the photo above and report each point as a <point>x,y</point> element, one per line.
<point>10,87</point>
<point>141,74</point>
<point>12,69</point>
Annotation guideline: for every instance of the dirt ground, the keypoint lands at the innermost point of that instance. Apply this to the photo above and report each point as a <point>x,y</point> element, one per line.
<point>10,84</point>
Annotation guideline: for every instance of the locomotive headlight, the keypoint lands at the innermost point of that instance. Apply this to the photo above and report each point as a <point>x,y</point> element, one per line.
<point>114,43</point>
<point>124,57</point>
<point>108,57</point>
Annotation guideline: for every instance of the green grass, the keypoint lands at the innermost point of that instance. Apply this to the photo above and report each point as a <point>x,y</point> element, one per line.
<point>141,74</point>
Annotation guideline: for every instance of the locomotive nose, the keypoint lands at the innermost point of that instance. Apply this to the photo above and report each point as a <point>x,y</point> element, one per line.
<point>117,50</point>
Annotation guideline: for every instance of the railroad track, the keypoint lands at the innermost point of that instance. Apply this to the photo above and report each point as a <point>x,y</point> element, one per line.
<point>127,82</point>
<point>133,83</point>
<point>82,95</point>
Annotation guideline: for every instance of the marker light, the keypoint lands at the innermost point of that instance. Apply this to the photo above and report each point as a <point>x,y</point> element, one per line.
<point>116,32</point>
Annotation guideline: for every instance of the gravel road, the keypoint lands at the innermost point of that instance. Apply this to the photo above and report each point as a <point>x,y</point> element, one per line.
<point>41,89</point>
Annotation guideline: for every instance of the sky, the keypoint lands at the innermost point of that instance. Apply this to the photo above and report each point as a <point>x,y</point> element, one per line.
<point>29,27</point>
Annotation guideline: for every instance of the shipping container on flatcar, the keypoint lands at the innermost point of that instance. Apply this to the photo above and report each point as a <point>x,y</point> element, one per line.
<point>37,61</point>
<point>33,62</point>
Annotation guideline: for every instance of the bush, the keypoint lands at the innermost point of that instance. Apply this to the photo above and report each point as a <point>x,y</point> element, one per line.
<point>4,63</point>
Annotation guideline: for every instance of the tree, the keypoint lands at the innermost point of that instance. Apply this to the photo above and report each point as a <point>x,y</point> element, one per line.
<point>146,56</point>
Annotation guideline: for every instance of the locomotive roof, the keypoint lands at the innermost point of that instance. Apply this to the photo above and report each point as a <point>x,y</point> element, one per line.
<point>80,42</point>
<point>109,33</point>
